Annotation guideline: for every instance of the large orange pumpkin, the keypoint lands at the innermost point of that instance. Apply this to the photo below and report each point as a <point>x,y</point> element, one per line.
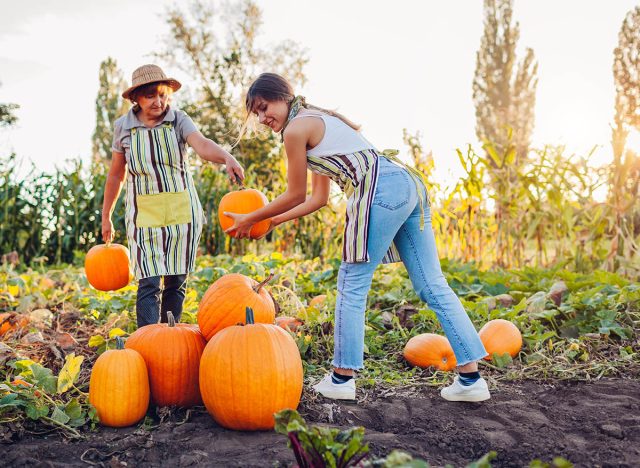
<point>119,386</point>
<point>107,266</point>
<point>248,372</point>
<point>243,201</point>
<point>429,349</point>
<point>12,321</point>
<point>224,303</point>
<point>500,336</point>
<point>172,354</point>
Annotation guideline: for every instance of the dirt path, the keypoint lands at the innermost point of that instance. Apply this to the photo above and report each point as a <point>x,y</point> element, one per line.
<point>590,424</point>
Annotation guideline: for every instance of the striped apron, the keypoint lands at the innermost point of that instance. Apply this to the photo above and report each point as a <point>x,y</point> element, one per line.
<point>164,217</point>
<point>357,175</point>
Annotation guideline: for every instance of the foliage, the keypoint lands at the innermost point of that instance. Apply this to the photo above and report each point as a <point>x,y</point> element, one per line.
<point>109,106</point>
<point>317,446</point>
<point>503,94</point>
<point>32,392</point>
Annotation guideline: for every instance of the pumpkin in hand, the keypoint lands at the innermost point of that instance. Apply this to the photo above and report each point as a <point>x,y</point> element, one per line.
<point>172,353</point>
<point>224,303</point>
<point>119,386</point>
<point>248,372</point>
<point>500,336</point>
<point>242,202</point>
<point>430,350</point>
<point>107,266</point>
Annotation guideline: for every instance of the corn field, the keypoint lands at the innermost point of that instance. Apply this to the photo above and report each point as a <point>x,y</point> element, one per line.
<point>555,210</point>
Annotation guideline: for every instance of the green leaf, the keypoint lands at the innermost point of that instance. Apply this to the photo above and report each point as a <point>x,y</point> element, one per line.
<point>501,360</point>
<point>44,378</point>
<point>59,416</point>
<point>95,341</point>
<point>69,373</point>
<point>37,410</point>
<point>11,400</point>
<point>116,332</point>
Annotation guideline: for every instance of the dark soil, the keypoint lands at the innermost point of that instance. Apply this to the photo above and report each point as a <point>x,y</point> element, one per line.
<point>589,424</point>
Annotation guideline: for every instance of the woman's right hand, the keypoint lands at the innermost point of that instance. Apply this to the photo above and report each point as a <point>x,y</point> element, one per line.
<point>107,230</point>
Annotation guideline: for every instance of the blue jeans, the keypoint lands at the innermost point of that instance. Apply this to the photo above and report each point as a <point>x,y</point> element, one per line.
<point>395,216</point>
<point>153,303</point>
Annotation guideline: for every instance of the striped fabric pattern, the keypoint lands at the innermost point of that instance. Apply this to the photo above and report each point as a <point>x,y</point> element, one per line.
<point>155,165</point>
<point>356,174</point>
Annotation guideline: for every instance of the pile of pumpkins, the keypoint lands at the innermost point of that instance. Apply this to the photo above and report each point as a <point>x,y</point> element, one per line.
<point>236,361</point>
<point>498,336</point>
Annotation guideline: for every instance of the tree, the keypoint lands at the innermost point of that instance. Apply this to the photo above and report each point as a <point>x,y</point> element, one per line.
<point>7,117</point>
<point>222,67</point>
<point>504,102</point>
<point>624,176</point>
<point>109,106</point>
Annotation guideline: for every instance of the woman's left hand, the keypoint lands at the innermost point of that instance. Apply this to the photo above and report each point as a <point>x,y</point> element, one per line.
<point>241,225</point>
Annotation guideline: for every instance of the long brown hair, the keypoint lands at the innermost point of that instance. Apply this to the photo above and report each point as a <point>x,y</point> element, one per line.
<point>273,87</point>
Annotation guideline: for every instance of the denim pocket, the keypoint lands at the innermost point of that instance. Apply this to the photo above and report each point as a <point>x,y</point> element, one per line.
<point>392,190</point>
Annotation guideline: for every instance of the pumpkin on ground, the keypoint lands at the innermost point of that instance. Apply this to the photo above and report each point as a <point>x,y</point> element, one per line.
<point>12,321</point>
<point>429,349</point>
<point>107,266</point>
<point>288,323</point>
<point>248,372</point>
<point>500,336</point>
<point>243,201</point>
<point>172,354</point>
<point>224,303</point>
<point>119,386</point>
<point>318,301</point>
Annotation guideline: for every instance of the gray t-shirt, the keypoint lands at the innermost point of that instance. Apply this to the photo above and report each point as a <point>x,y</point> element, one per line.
<point>184,127</point>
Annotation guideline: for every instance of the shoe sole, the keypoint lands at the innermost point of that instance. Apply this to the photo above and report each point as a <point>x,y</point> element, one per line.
<point>469,398</point>
<point>337,396</point>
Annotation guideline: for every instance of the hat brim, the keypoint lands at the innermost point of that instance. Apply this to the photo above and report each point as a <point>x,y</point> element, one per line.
<point>173,84</point>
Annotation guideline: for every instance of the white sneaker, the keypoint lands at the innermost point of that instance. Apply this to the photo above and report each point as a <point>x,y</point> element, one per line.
<point>478,391</point>
<point>343,391</point>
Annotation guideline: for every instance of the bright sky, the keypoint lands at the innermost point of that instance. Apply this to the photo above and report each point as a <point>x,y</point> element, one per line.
<point>387,67</point>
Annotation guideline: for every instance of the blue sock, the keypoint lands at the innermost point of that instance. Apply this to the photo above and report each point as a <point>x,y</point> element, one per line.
<point>339,378</point>
<point>468,378</point>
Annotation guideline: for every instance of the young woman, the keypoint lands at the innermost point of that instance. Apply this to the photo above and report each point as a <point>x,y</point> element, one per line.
<point>387,219</point>
<point>163,213</point>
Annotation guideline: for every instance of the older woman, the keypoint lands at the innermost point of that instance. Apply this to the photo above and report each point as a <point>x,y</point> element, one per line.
<point>163,213</point>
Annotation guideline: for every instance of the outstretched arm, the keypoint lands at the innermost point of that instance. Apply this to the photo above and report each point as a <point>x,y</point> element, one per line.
<point>208,150</point>
<point>295,143</point>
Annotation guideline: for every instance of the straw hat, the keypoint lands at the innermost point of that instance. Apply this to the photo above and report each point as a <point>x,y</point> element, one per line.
<point>149,74</point>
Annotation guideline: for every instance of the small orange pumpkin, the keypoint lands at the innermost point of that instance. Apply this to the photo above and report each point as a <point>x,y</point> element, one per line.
<point>243,201</point>
<point>172,354</point>
<point>222,304</point>
<point>12,321</point>
<point>248,372</point>
<point>289,323</point>
<point>119,386</point>
<point>107,266</point>
<point>318,301</point>
<point>429,349</point>
<point>500,336</point>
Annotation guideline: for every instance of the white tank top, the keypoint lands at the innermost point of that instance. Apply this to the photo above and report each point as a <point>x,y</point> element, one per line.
<point>339,138</point>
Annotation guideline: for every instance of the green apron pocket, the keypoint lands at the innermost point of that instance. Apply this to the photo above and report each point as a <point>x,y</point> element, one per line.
<point>163,209</point>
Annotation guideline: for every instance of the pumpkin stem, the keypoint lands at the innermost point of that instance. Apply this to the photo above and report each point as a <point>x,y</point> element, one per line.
<point>259,286</point>
<point>249,318</point>
<point>119,342</point>
<point>171,319</point>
